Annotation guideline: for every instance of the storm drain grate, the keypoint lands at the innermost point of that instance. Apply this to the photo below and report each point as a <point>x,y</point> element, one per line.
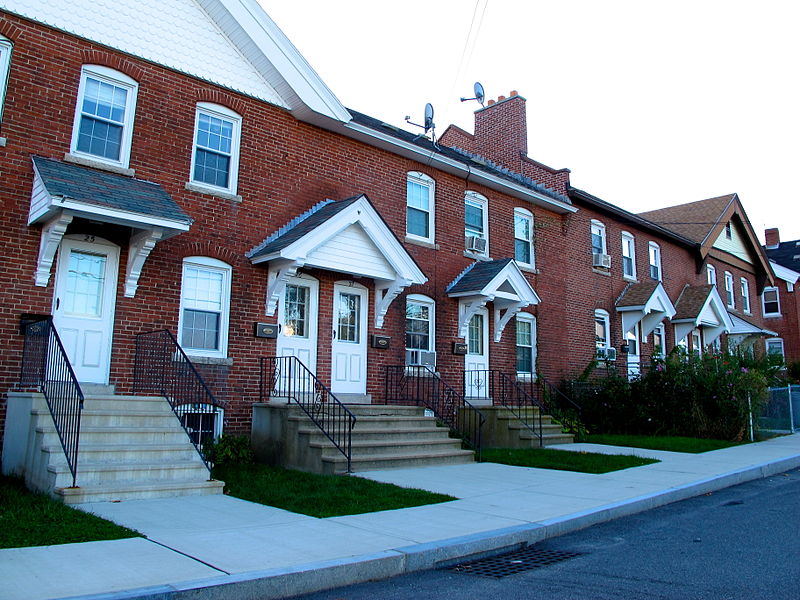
<point>513,562</point>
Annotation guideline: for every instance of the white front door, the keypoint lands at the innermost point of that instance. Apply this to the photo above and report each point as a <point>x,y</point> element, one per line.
<point>634,362</point>
<point>349,352</point>
<point>83,304</point>
<point>476,362</point>
<point>297,319</point>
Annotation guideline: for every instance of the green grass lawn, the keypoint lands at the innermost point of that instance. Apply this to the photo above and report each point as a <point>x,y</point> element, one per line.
<point>318,495</point>
<point>672,444</point>
<point>563,460</point>
<point>29,519</point>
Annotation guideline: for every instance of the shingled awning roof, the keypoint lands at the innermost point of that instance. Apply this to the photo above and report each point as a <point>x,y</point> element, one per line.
<point>700,306</point>
<point>63,191</point>
<point>646,303</point>
<point>497,281</point>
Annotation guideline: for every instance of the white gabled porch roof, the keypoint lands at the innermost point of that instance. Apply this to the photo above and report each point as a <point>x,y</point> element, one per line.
<point>646,303</point>
<point>348,236</point>
<point>497,281</point>
<point>701,306</point>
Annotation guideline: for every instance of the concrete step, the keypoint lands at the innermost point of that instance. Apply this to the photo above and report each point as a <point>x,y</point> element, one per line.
<point>137,490</point>
<point>102,473</point>
<point>338,463</point>
<point>363,449</point>
<point>379,421</point>
<point>109,401</point>
<point>132,435</point>
<point>121,453</point>
<point>382,433</point>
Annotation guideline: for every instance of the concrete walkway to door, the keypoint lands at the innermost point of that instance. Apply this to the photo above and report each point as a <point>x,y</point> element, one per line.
<point>221,547</point>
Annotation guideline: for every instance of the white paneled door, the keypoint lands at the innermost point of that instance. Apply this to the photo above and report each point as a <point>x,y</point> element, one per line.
<point>349,352</point>
<point>83,304</point>
<point>476,362</point>
<point>298,316</point>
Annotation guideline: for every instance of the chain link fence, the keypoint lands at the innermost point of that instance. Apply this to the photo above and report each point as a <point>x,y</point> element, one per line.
<point>782,411</point>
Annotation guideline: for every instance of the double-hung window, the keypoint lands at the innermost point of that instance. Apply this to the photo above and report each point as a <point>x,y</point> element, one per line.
<point>771,302</point>
<point>419,206</point>
<point>419,323</point>
<point>476,223</point>
<point>215,160</point>
<point>659,342</point>
<point>598,233</point>
<point>103,126</point>
<point>711,275</point>
<point>5,64</point>
<point>526,345</point>
<point>205,307</point>
<point>602,326</point>
<point>730,296</point>
<point>745,288</point>
<point>775,348</point>
<point>628,256</point>
<point>523,237</point>
<point>655,261</point>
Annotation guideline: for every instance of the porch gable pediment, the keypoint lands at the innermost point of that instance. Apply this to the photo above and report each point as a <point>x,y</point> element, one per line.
<point>701,307</point>
<point>645,303</point>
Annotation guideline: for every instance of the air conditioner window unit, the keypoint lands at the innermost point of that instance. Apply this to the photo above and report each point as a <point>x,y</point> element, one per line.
<point>607,354</point>
<point>601,260</point>
<point>421,358</point>
<point>475,243</point>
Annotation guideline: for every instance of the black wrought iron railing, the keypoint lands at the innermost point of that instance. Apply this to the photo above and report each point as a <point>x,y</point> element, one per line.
<point>421,386</point>
<point>509,393</point>
<point>287,377</point>
<point>45,366</point>
<point>161,368</point>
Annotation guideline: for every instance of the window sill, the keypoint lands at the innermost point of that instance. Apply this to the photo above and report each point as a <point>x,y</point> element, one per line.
<point>528,268</point>
<point>605,272</point>
<point>210,360</point>
<point>425,244</point>
<point>631,279</point>
<point>3,142</point>
<point>85,161</point>
<point>476,255</point>
<point>526,377</point>
<point>773,316</point>
<point>201,189</point>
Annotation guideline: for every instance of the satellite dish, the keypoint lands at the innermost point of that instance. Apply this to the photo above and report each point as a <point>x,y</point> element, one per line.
<point>477,89</point>
<point>428,117</point>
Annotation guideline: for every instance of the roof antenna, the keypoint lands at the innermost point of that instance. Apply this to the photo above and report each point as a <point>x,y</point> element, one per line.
<point>480,96</point>
<point>428,126</point>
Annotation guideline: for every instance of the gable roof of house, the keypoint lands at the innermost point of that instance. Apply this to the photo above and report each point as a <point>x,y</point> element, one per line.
<point>787,254</point>
<point>691,301</point>
<point>637,294</point>
<point>477,276</point>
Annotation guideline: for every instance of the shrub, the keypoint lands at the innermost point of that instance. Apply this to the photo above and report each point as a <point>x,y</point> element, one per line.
<point>229,450</point>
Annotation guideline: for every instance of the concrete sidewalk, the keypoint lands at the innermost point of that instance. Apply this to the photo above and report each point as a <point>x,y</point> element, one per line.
<point>222,547</point>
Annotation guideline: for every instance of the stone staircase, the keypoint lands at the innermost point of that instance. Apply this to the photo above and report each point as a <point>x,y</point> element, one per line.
<point>384,437</point>
<point>130,447</point>
<point>504,430</point>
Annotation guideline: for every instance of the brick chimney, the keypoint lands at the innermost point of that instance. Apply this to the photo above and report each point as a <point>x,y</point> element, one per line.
<point>501,131</point>
<point>773,237</point>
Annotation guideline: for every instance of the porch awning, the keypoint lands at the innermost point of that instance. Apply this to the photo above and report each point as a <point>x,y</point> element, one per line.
<point>497,281</point>
<point>646,303</point>
<point>700,306</point>
<point>348,236</point>
<point>745,333</point>
<point>62,192</point>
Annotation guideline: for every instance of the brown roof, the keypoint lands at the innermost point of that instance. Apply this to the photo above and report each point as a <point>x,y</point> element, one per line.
<point>691,301</point>
<point>637,294</point>
<point>694,220</point>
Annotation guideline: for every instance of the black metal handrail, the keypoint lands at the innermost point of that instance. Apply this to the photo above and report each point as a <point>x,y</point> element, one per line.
<point>46,366</point>
<point>287,377</point>
<point>511,394</point>
<point>162,368</point>
<point>554,399</point>
<point>420,385</point>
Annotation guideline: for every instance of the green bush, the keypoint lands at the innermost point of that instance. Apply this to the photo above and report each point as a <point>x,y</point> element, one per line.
<point>229,450</point>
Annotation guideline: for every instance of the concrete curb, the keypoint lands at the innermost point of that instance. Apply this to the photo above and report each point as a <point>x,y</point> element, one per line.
<point>313,577</point>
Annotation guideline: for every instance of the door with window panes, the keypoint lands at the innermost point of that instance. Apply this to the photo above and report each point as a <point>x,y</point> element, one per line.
<point>476,362</point>
<point>349,348</point>
<point>297,316</point>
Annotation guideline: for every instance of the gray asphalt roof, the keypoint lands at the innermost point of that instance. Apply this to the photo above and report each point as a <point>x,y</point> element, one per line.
<point>477,276</point>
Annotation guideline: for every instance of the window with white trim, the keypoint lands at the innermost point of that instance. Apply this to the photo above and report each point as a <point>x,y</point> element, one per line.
<point>655,261</point>
<point>598,233</point>
<point>711,275</point>
<point>659,341</point>
<point>770,302</point>
<point>103,126</point>
<point>728,230</point>
<point>5,66</point>
<point>697,343</point>
<point>730,296</point>
<point>523,237</point>
<point>526,345</point>
<point>419,206</point>
<point>628,256</point>
<point>205,306</point>
<point>744,287</point>
<point>775,348</point>
<point>476,221</point>
<point>602,329</point>
<point>215,158</point>
<point>420,324</point>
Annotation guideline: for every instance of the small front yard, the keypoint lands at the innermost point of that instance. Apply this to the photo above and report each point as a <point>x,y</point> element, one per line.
<point>563,460</point>
<point>671,444</point>
<point>318,495</point>
<point>29,519</point>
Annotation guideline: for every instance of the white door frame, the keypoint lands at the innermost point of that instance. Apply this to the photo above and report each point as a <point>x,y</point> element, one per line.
<point>87,339</point>
<point>303,347</point>
<point>349,358</point>
<point>634,359</point>
<point>476,385</point>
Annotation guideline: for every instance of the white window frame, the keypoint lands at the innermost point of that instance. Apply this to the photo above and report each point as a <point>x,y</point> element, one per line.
<point>629,252</point>
<point>764,303</point>
<point>112,77</point>
<point>777,342</point>
<point>660,333</point>
<point>5,67</point>
<point>599,229</point>
<point>212,265</point>
<point>602,315</point>
<point>425,181</point>
<point>697,341</point>
<point>744,287</point>
<point>711,274</point>
<point>430,303</point>
<point>654,256</point>
<point>523,317</point>
<point>728,230</point>
<point>218,112</point>
<point>521,213</point>
<point>730,293</point>
<point>482,202</point>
